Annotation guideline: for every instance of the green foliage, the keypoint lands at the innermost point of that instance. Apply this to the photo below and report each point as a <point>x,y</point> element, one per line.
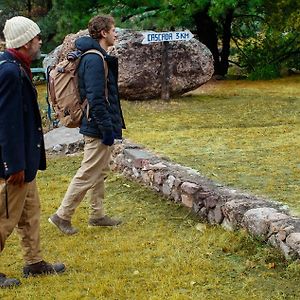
<point>268,71</point>
<point>66,17</point>
<point>270,40</point>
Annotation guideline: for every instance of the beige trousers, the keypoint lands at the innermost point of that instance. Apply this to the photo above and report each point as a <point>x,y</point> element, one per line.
<point>89,177</point>
<point>23,211</point>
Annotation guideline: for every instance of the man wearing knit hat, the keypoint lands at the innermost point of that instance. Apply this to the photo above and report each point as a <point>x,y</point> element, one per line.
<point>22,151</point>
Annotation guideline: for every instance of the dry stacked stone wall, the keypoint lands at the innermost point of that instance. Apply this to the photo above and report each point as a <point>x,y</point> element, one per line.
<point>267,220</point>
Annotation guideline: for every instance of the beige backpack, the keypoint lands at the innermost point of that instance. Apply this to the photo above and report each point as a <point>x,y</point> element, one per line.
<point>63,90</point>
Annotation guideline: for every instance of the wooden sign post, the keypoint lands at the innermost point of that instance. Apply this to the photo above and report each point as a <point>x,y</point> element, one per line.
<point>165,38</point>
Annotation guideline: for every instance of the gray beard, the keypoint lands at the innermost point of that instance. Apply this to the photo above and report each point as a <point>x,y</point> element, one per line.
<point>37,56</point>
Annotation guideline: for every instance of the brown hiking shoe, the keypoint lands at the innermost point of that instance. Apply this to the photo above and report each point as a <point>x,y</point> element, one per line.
<point>104,221</point>
<point>43,268</point>
<point>63,225</point>
<point>8,282</point>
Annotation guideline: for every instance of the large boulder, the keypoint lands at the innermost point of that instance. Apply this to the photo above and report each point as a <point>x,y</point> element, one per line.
<point>140,66</point>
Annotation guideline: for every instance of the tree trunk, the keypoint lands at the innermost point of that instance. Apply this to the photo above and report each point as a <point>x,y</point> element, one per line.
<point>207,34</point>
<point>29,7</point>
<point>226,37</point>
<point>48,4</point>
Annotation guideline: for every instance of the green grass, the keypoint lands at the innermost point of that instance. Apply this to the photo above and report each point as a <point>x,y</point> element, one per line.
<point>241,133</point>
<point>160,252</point>
<point>244,134</point>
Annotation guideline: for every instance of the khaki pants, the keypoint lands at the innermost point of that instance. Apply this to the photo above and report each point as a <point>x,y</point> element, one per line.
<point>89,177</point>
<point>23,212</point>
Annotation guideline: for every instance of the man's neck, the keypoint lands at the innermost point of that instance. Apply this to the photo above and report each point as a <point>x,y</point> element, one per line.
<point>103,44</point>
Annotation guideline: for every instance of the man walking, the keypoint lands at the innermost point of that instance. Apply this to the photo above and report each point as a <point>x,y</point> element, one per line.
<point>101,124</point>
<point>22,150</point>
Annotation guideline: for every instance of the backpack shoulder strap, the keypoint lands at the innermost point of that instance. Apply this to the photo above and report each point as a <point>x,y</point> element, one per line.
<point>100,54</point>
<point>105,68</point>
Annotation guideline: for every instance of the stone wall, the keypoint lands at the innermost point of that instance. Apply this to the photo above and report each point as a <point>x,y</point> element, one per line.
<point>267,220</point>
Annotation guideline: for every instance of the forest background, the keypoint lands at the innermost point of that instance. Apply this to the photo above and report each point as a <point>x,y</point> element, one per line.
<point>259,38</point>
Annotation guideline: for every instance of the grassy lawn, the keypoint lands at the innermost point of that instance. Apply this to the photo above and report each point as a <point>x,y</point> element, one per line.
<point>244,134</point>
<point>241,133</point>
<point>158,253</point>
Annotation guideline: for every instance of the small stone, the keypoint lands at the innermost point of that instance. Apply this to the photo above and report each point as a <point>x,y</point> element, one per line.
<point>281,235</point>
<point>210,202</point>
<point>145,177</point>
<point>227,225</point>
<point>176,195</point>
<point>293,241</point>
<point>177,182</point>
<point>187,200</point>
<point>218,214</point>
<point>135,172</point>
<point>189,187</point>
<point>158,166</point>
<point>57,148</point>
<point>151,176</point>
<point>201,227</point>
<point>211,217</point>
<point>158,178</point>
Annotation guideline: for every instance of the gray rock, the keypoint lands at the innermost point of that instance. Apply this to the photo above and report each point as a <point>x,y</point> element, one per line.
<point>58,148</point>
<point>60,138</point>
<point>227,225</point>
<point>52,58</point>
<point>257,221</point>
<point>235,209</point>
<point>168,185</point>
<point>187,200</point>
<point>211,201</point>
<point>287,251</point>
<point>189,187</point>
<point>218,214</point>
<point>135,172</point>
<point>293,241</point>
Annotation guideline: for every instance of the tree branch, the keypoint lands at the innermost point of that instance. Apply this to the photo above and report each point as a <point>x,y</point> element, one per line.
<point>243,53</point>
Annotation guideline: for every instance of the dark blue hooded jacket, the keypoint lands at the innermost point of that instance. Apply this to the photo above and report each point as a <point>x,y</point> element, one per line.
<point>21,135</point>
<point>105,117</point>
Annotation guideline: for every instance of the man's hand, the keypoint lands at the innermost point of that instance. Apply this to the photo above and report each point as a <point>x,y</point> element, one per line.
<point>17,178</point>
<point>108,138</point>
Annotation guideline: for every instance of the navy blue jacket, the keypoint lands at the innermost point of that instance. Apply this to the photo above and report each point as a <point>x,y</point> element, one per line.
<point>21,134</point>
<point>104,116</point>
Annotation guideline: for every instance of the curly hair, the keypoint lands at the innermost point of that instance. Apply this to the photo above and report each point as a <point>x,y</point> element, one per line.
<point>99,23</point>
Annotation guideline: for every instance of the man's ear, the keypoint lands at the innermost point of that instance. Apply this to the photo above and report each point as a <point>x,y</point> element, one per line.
<point>27,45</point>
<point>103,33</point>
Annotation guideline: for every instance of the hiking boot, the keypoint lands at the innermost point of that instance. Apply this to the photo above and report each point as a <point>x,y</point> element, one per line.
<point>104,221</point>
<point>8,282</point>
<point>63,225</point>
<point>43,268</point>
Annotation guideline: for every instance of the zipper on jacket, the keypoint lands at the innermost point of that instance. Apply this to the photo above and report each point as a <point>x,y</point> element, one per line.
<point>6,200</point>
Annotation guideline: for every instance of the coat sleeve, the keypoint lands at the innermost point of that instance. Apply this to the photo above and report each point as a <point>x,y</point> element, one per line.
<point>94,82</point>
<point>11,120</point>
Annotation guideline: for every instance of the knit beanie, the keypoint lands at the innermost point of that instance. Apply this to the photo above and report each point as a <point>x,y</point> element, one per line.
<point>19,30</point>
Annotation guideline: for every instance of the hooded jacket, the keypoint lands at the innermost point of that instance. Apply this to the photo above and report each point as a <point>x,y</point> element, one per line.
<point>21,134</point>
<point>103,117</point>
